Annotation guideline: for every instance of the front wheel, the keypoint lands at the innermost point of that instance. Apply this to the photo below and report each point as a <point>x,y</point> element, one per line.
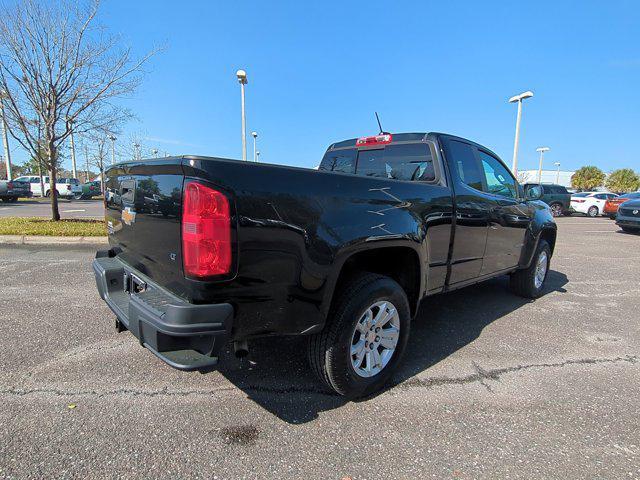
<point>365,336</point>
<point>529,282</point>
<point>630,229</point>
<point>593,211</point>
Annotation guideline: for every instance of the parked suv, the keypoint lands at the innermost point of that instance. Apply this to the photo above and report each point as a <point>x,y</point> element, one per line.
<point>556,196</point>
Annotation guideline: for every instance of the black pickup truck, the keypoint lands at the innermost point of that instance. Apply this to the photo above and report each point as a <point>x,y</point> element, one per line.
<point>205,251</point>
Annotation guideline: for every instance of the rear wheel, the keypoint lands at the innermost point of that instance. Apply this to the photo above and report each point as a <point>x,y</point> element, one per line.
<point>530,281</point>
<point>556,209</point>
<point>593,211</point>
<point>365,336</point>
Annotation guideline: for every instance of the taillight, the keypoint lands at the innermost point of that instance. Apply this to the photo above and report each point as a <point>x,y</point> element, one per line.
<point>9,185</point>
<point>206,232</point>
<point>92,188</point>
<point>375,140</point>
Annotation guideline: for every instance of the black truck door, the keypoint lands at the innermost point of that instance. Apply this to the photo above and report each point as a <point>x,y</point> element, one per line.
<point>472,210</point>
<point>509,215</point>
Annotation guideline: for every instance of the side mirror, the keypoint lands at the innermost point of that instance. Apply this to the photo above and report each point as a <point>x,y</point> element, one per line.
<point>534,193</point>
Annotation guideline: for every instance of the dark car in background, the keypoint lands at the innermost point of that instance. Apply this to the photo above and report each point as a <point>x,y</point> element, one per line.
<point>628,217</point>
<point>89,190</point>
<point>611,205</point>
<point>556,196</point>
<point>11,190</point>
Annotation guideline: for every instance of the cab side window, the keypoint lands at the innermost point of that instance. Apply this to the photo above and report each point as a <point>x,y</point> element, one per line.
<point>465,163</point>
<point>498,179</point>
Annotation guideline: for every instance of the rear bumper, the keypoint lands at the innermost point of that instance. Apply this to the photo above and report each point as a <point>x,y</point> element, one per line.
<point>184,335</point>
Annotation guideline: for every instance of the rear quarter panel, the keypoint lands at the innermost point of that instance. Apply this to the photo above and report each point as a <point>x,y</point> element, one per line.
<point>296,227</point>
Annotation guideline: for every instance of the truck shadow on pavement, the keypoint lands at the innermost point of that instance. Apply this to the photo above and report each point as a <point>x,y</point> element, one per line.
<point>277,377</point>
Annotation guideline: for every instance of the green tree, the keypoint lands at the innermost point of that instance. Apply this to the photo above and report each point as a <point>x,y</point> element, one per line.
<point>587,178</point>
<point>623,180</point>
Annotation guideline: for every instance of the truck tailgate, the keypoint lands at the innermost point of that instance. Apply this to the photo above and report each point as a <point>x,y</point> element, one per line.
<point>143,208</point>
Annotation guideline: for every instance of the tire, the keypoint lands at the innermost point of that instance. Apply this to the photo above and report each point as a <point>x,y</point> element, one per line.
<point>630,229</point>
<point>593,211</point>
<point>523,282</point>
<point>330,350</point>
<point>556,209</point>
<point>47,193</point>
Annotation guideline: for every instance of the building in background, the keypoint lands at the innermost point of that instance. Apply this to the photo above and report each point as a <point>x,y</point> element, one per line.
<point>548,176</point>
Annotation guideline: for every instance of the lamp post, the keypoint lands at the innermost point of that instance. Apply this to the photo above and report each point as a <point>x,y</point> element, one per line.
<point>518,98</point>
<point>5,138</point>
<point>255,136</point>
<point>257,155</point>
<point>541,150</point>
<point>86,160</point>
<point>74,170</point>
<point>113,148</point>
<point>557,164</point>
<point>242,78</point>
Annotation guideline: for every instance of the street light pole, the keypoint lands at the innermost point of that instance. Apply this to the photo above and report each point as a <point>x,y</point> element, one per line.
<point>113,148</point>
<point>5,138</point>
<point>242,78</point>
<point>257,155</point>
<point>255,137</point>
<point>86,159</point>
<point>518,98</point>
<point>74,170</point>
<point>557,164</point>
<point>541,150</point>
<point>36,121</point>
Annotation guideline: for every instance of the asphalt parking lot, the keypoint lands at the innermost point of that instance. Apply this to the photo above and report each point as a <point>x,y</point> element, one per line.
<point>42,208</point>
<point>492,386</point>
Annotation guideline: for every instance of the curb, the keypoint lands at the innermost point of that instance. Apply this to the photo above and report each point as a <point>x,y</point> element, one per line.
<point>50,240</point>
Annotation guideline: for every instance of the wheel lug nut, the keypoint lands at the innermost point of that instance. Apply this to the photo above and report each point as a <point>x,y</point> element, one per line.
<point>377,339</point>
<point>371,346</point>
<point>377,329</point>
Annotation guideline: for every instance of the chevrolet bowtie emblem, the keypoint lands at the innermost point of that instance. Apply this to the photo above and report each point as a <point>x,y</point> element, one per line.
<point>129,216</point>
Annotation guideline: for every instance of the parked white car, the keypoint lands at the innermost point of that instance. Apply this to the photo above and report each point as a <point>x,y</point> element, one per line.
<point>590,203</point>
<point>66,187</point>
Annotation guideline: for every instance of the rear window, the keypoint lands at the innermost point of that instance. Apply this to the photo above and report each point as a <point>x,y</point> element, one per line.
<point>410,161</point>
<point>583,194</point>
<point>343,161</point>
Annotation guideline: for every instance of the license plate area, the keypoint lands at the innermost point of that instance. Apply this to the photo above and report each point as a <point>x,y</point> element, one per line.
<point>133,284</point>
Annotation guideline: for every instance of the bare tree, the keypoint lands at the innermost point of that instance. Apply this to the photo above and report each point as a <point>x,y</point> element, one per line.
<point>57,67</point>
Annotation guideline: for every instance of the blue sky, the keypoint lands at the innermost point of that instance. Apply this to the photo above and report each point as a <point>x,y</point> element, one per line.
<point>317,71</point>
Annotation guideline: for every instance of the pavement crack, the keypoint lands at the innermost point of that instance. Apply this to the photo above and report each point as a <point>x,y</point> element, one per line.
<point>482,375</point>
